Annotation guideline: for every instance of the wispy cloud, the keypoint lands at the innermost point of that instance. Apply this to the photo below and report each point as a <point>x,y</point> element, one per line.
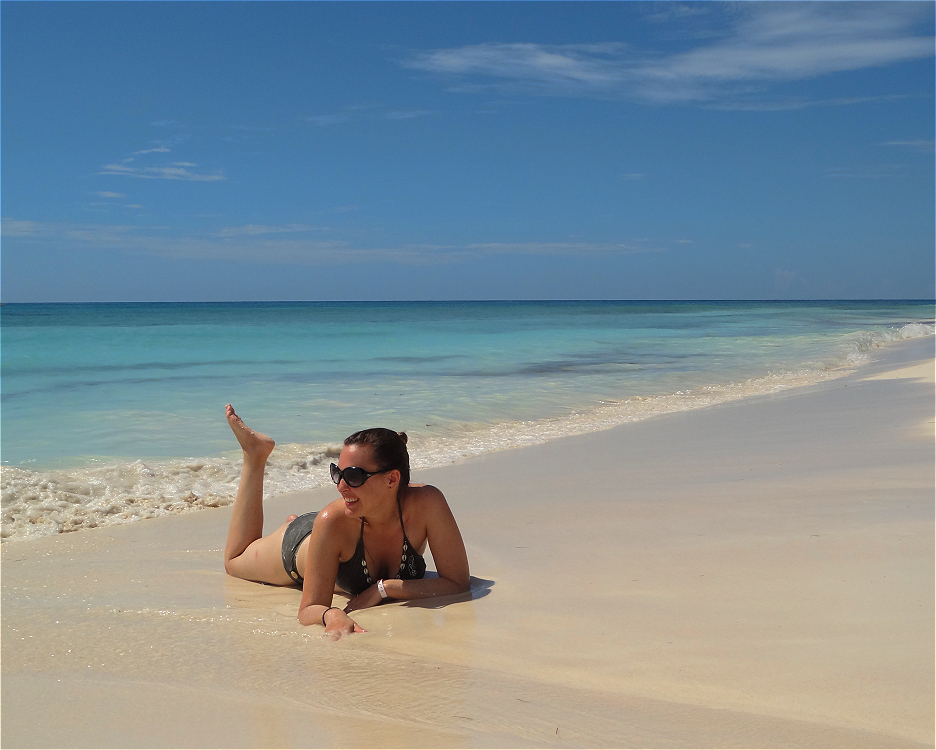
<point>105,233</point>
<point>865,173</point>
<point>323,120</point>
<point>177,171</point>
<point>258,229</point>
<point>535,67</point>
<point>367,112</point>
<point>562,248</point>
<point>674,11</point>
<point>764,43</point>
<point>272,244</point>
<point>181,173</point>
<point>407,115</point>
<point>107,194</point>
<point>118,169</point>
<point>917,145</point>
<point>19,227</point>
<point>787,104</point>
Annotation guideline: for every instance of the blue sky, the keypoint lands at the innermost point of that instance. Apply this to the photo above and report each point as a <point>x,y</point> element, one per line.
<point>174,151</point>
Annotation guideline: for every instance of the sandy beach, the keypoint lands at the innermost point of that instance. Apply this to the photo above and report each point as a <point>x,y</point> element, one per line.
<point>754,574</point>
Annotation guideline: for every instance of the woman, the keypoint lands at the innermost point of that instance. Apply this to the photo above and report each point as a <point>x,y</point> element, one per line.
<point>370,541</point>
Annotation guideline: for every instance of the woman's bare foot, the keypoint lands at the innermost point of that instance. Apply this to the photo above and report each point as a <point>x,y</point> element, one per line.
<point>256,445</point>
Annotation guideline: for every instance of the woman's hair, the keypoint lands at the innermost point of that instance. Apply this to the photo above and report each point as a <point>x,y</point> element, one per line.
<point>389,451</point>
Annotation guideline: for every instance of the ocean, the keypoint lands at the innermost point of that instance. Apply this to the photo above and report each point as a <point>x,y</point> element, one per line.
<point>114,413</point>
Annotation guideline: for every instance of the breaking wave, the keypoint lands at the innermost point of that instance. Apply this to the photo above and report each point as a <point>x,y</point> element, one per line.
<point>44,503</point>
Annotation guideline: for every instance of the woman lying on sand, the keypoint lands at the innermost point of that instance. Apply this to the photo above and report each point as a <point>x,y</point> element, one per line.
<point>362,556</point>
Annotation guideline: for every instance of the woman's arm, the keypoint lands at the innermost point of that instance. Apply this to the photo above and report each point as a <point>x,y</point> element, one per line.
<point>318,584</point>
<point>448,552</point>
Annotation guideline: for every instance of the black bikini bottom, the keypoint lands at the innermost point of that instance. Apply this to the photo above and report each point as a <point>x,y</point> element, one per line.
<point>298,529</point>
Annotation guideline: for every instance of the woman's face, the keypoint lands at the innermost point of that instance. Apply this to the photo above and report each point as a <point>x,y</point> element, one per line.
<point>374,494</point>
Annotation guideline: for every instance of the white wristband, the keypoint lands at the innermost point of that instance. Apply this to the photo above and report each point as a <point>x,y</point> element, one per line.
<point>381,589</point>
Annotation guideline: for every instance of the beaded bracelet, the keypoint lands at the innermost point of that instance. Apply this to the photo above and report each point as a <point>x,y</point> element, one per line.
<point>325,613</point>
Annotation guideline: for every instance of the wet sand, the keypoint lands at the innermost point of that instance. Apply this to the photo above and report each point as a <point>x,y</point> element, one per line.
<point>754,574</point>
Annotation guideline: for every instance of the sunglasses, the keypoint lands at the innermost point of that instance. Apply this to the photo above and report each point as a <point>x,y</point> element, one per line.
<point>353,476</point>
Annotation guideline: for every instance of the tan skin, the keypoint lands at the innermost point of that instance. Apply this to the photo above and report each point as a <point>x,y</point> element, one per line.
<point>426,516</point>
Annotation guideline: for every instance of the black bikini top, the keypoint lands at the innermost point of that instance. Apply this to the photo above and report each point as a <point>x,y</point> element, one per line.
<point>354,577</point>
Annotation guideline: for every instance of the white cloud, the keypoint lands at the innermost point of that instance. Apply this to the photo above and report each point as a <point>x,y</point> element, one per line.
<point>397,114</point>
<point>667,12</point>
<point>157,150</point>
<point>106,194</point>
<point>407,115</point>
<point>864,172</point>
<point>106,233</point>
<point>177,172</point>
<point>560,248</point>
<point>786,43</point>
<point>117,169</point>
<point>323,120</point>
<point>786,105</point>
<point>257,229</point>
<point>768,42</point>
<point>917,145</point>
<point>258,243</point>
<point>558,68</point>
<point>18,228</point>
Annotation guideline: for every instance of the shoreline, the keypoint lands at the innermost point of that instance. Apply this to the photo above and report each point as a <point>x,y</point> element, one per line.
<point>724,577</point>
<point>40,503</point>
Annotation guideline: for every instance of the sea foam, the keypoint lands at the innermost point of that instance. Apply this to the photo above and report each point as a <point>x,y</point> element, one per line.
<point>47,502</point>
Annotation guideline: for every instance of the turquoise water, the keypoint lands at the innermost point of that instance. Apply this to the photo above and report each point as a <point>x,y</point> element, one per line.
<point>107,403</point>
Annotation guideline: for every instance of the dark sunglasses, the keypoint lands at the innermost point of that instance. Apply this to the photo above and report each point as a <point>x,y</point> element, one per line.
<point>353,476</point>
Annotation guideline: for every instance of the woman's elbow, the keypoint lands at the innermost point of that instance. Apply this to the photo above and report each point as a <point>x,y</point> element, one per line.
<point>232,568</point>
<point>450,585</point>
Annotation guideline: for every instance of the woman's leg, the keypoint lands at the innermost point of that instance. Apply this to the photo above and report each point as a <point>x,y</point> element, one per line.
<point>247,553</point>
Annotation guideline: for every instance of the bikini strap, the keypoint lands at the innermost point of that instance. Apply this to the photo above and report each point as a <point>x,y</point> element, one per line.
<point>406,541</point>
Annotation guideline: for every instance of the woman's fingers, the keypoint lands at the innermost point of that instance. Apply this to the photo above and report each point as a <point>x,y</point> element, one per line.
<point>345,627</point>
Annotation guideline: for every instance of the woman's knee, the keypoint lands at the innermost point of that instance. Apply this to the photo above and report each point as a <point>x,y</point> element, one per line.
<point>261,561</point>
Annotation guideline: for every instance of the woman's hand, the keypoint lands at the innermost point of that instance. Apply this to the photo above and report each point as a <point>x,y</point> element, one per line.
<point>337,624</point>
<point>369,597</point>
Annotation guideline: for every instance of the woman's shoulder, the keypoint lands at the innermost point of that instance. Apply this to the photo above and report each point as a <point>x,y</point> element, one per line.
<point>333,516</point>
<point>430,514</point>
<point>427,502</point>
<point>424,494</point>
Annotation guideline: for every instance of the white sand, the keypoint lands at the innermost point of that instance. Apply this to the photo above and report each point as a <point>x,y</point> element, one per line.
<point>757,574</point>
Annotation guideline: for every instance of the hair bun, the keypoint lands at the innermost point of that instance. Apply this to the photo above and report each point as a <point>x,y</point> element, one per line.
<point>403,437</point>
